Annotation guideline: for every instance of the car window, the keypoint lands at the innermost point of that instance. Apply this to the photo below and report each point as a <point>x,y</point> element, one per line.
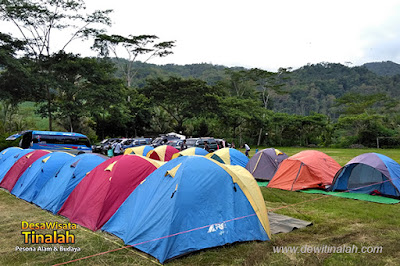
<point>190,142</point>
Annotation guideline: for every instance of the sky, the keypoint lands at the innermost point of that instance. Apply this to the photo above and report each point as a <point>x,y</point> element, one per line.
<point>262,34</point>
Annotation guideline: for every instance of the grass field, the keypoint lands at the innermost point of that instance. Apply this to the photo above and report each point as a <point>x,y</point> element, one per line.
<point>336,222</point>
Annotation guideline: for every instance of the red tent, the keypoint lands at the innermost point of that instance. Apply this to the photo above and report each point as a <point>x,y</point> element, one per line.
<point>100,193</point>
<point>19,168</point>
<point>306,169</point>
<point>162,153</point>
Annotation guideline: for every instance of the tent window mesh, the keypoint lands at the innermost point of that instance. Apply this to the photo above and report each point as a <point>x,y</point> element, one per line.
<point>363,175</point>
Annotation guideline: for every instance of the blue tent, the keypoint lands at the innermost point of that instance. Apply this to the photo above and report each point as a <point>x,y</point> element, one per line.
<point>10,161</point>
<point>229,156</point>
<point>38,173</point>
<point>4,154</point>
<point>191,151</point>
<point>188,204</point>
<point>369,173</point>
<point>57,189</point>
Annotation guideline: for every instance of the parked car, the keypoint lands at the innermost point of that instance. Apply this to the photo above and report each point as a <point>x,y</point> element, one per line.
<point>175,143</point>
<point>126,142</point>
<point>98,147</point>
<point>199,142</point>
<point>222,143</point>
<point>162,140</point>
<point>139,142</point>
<point>105,146</point>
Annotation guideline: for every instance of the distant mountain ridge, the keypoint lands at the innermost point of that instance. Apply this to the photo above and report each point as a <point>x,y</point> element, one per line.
<point>313,88</point>
<point>387,68</point>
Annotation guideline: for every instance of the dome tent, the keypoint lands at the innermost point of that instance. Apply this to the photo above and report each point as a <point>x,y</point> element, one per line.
<point>36,176</point>
<point>162,153</point>
<point>229,156</point>
<point>4,154</point>
<point>56,191</point>
<point>264,163</point>
<point>188,204</point>
<point>19,168</point>
<point>304,170</point>
<point>95,199</point>
<point>9,161</point>
<point>369,173</point>
<point>191,151</point>
<point>140,150</point>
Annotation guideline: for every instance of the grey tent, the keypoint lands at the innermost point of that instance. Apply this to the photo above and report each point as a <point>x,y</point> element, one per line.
<point>264,163</point>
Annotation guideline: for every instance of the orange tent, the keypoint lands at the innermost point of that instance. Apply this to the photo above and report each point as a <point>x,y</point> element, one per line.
<point>306,169</point>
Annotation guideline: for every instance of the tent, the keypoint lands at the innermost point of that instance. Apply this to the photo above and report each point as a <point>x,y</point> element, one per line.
<point>57,189</point>
<point>9,161</point>
<point>162,153</point>
<point>229,156</point>
<point>264,163</point>
<point>369,173</point>
<point>140,150</point>
<point>19,168</point>
<point>306,169</point>
<point>190,151</point>
<point>95,199</point>
<point>4,154</point>
<point>37,174</point>
<point>191,203</point>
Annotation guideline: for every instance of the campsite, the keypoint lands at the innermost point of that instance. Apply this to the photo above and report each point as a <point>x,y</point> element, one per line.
<point>199,133</point>
<point>335,222</point>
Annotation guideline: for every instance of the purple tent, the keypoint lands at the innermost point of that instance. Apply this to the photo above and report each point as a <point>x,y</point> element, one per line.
<point>264,163</point>
<point>369,173</point>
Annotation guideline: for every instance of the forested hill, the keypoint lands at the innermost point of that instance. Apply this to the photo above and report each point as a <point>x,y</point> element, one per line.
<point>315,88</point>
<point>311,88</point>
<point>207,72</point>
<point>387,68</point>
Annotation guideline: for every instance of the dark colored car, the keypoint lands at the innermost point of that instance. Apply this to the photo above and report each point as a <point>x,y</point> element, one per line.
<point>199,142</point>
<point>98,147</point>
<point>222,143</point>
<point>105,146</point>
<point>139,142</point>
<point>176,143</point>
<point>162,140</point>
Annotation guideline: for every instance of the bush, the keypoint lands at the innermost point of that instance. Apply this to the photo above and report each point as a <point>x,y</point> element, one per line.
<point>5,144</point>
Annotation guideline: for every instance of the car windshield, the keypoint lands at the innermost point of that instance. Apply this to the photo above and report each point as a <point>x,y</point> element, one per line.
<point>157,140</point>
<point>126,142</point>
<point>54,139</point>
<point>190,142</point>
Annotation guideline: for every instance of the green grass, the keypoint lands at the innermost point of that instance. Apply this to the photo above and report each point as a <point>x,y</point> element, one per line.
<point>33,120</point>
<point>336,221</point>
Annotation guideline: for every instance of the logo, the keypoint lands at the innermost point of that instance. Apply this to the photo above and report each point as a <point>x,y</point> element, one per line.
<point>56,237</point>
<point>217,227</point>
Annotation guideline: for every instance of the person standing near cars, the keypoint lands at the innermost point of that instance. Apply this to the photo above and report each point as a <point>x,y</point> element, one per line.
<point>247,147</point>
<point>183,145</point>
<point>110,152</point>
<point>206,147</point>
<point>233,145</point>
<point>118,149</point>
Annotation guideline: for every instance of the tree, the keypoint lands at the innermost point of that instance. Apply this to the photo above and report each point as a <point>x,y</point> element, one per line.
<point>356,103</point>
<point>181,98</point>
<point>363,129</point>
<point>268,82</point>
<point>134,46</point>
<point>240,84</point>
<point>14,74</point>
<point>37,21</point>
<point>235,112</point>
<point>77,81</point>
